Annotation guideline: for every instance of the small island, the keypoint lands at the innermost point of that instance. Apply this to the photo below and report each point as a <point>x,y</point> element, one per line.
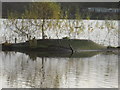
<point>38,21</point>
<point>59,45</point>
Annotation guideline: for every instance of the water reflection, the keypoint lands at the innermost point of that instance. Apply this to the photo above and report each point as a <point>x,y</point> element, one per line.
<point>58,54</point>
<point>21,71</point>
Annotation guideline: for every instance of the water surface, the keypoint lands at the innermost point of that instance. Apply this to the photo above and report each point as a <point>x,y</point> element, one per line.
<point>19,70</point>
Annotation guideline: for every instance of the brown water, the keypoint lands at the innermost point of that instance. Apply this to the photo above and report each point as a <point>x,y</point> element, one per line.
<point>19,70</point>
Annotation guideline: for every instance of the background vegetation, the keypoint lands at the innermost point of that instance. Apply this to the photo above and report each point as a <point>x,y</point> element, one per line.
<point>71,6</point>
<point>46,18</point>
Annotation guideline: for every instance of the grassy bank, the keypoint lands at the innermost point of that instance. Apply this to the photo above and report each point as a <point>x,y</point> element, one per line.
<point>56,48</point>
<point>76,44</point>
<point>57,44</point>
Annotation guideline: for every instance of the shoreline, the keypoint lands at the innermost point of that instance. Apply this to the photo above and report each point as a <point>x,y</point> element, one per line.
<point>60,48</point>
<point>58,44</point>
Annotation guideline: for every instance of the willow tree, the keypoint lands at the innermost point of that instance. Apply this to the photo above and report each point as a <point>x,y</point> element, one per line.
<point>42,13</point>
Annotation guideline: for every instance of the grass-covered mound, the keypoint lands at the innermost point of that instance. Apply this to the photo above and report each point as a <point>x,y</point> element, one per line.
<point>76,44</point>
<point>56,44</point>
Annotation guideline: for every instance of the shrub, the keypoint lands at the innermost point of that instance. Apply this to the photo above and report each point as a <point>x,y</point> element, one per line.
<point>65,38</point>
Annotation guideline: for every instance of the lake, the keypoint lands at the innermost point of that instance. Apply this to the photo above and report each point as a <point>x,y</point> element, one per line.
<point>21,70</point>
<point>88,70</point>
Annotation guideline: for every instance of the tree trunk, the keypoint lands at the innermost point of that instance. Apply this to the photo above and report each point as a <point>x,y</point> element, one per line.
<point>43,36</point>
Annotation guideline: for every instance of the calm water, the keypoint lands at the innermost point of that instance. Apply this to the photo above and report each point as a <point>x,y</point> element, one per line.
<point>20,70</point>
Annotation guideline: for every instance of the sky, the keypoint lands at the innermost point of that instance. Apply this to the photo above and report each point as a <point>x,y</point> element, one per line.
<point>61,0</point>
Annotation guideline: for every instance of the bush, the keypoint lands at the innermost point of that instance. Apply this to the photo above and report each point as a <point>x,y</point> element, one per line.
<point>65,38</point>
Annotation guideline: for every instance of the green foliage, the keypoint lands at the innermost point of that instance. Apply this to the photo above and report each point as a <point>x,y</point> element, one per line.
<point>88,17</point>
<point>77,14</point>
<point>44,10</point>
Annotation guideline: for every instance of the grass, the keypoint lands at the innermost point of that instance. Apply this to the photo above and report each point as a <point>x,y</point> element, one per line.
<point>59,45</point>
<point>76,44</point>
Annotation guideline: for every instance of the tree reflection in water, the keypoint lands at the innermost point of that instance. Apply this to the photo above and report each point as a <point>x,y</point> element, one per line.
<point>21,70</point>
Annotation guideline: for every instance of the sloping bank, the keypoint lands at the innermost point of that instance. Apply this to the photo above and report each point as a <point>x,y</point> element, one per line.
<point>55,45</point>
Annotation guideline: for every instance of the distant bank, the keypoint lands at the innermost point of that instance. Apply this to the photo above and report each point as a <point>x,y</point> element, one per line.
<point>95,10</point>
